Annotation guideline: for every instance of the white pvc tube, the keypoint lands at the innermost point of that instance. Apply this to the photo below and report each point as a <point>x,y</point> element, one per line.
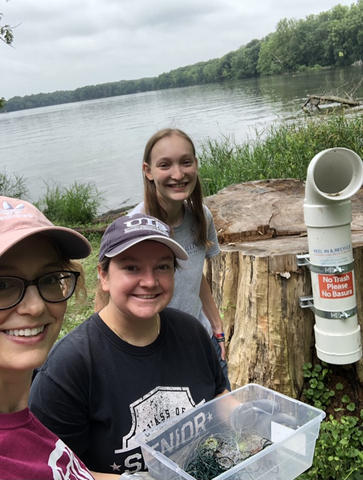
<point>334,175</point>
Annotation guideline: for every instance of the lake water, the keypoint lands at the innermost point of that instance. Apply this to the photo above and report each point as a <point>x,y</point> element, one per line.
<point>103,140</point>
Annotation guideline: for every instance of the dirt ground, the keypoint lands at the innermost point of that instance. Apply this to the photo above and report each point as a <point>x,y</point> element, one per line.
<point>346,375</point>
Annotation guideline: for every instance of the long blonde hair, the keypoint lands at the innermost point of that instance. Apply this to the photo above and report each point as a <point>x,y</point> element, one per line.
<point>194,202</point>
<point>72,265</point>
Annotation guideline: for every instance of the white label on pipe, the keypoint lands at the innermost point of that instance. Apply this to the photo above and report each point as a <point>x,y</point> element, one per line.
<point>323,254</point>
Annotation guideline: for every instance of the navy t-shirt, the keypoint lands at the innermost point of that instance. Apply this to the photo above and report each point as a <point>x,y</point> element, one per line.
<point>96,392</point>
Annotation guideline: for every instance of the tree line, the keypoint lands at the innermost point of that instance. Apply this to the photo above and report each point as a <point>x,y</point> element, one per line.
<point>332,38</point>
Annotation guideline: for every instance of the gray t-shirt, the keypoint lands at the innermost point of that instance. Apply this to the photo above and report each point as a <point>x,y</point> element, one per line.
<point>189,276</point>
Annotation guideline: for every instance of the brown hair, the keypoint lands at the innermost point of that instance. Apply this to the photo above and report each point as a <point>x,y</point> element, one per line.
<point>194,202</point>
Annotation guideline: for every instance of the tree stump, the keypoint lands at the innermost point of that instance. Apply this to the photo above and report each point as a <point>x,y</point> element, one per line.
<point>257,283</point>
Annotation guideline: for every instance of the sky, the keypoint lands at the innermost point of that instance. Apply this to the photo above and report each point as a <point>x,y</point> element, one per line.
<point>66,44</point>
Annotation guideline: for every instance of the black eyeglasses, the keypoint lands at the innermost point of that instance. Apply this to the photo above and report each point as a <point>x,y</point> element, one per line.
<point>54,287</point>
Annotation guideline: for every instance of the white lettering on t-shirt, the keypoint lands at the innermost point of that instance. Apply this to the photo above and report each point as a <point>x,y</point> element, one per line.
<point>65,465</point>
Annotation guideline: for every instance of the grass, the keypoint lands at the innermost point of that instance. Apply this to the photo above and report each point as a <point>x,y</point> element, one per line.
<point>13,185</point>
<point>280,150</point>
<point>75,205</point>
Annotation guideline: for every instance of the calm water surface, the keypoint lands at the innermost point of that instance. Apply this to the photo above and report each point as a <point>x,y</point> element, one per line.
<point>103,140</point>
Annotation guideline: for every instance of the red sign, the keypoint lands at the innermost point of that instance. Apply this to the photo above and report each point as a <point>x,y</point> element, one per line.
<point>336,286</point>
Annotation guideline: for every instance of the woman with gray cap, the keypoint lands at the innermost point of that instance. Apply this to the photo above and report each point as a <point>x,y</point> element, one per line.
<point>37,277</point>
<point>134,364</point>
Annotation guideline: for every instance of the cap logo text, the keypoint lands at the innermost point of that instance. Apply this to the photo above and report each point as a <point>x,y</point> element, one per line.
<point>149,223</point>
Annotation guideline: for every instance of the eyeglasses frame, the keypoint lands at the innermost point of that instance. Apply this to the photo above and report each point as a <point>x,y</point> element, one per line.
<point>35,281</point>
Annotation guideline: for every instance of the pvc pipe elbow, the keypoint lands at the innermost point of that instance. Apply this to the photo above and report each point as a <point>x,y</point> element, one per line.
<point>334,175</point>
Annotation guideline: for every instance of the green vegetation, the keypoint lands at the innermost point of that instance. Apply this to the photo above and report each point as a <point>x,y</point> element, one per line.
<point>6,36</point>
<point>282,150</point>
<point>6,32</point>
<point>13,185</point>
<point>318,393</point>
<point>338,451</point>
<point>332,38</point>
<point>76,205</point>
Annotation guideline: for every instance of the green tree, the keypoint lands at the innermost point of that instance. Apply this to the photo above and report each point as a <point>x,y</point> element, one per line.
<point>353,21</point>
<point>225,67</point>
<point>339,36</point>
<point>251,54</point>
<point>163,81</point>
<point>210,71</point>
<point>6,32</point>
<point>269,62</point>
<point>244,60</point>
<point>317,46</point>
<point>7,36</point>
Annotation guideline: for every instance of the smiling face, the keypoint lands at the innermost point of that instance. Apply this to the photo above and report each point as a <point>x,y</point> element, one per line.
<point>28,330</point>
<point>173,168</point>
<point>140,281</point>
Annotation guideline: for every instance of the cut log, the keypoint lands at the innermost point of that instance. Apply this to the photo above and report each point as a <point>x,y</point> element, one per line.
<point>257,284</point>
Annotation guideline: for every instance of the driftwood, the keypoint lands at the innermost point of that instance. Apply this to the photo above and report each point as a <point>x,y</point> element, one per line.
<point>316,100</point>
<point>257,284</point>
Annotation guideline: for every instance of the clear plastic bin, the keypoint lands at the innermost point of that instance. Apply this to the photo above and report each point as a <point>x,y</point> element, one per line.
<point>183,447</point>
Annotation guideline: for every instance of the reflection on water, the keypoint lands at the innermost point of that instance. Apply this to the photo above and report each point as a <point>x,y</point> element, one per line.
<point>103,140</point>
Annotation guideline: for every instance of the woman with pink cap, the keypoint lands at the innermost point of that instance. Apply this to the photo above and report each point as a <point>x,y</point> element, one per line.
<point>37,277</point>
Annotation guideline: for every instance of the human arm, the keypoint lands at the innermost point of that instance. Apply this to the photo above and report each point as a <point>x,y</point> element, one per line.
<point>211,312</point>
<point>222,393</point>
<point>109,476</point>
<point>135,476</point>
<point>124,476</point>
<point>256,416</point>
<point>251,417</point>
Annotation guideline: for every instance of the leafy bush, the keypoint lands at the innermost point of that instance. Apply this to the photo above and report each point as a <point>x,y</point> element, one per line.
<point>339,446</point>
<point>338,450</point>
<point>318,393</point>
<point>76,205</point>
<point>13,186</point>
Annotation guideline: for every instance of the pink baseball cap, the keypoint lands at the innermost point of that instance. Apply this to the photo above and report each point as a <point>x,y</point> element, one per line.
<point>20,219</point>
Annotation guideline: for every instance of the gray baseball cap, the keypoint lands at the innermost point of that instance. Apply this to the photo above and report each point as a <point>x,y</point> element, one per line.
<point>129,230</point>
